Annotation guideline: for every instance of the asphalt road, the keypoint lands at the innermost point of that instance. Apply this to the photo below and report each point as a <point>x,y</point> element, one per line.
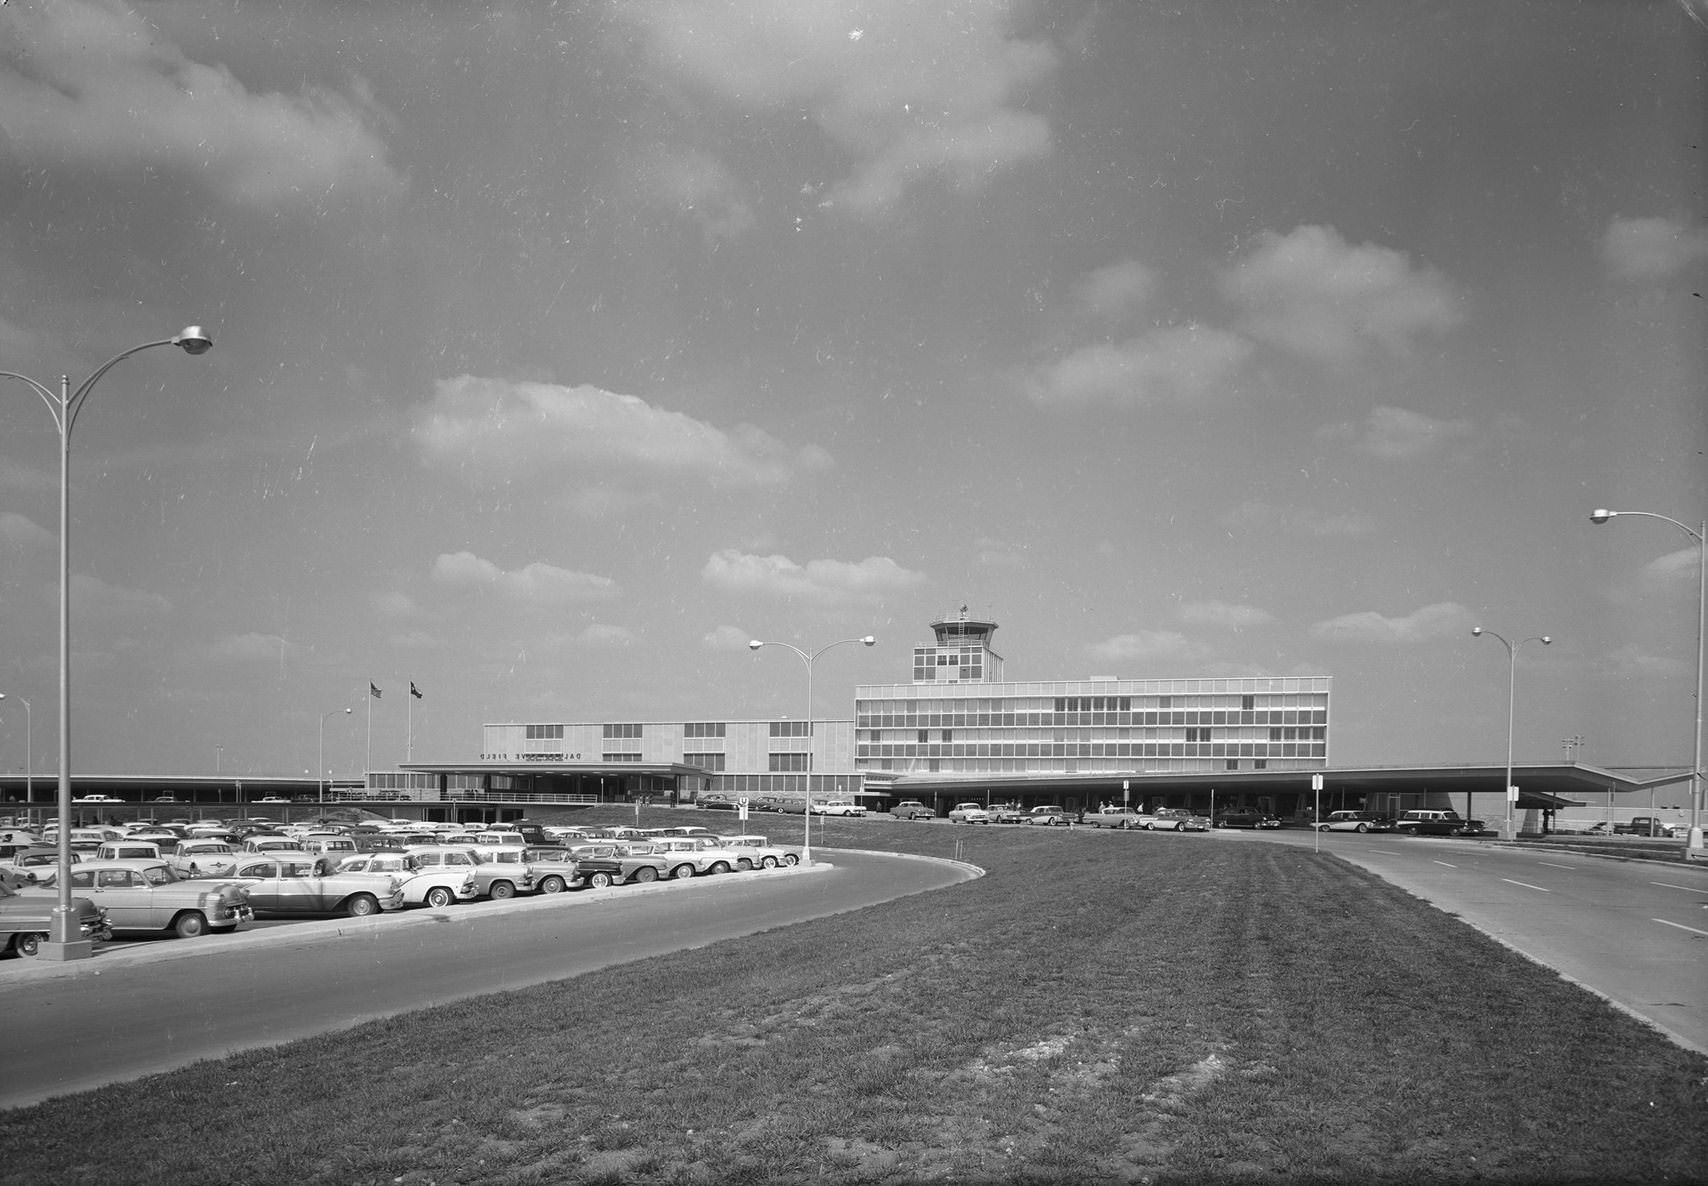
<point>154,1006</point>
<point>1636,932</point>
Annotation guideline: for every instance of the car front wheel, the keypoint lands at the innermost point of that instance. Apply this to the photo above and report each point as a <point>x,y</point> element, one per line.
<point>191,924</point>
<point>1322,827</point>
<point>362,906</point>
<point>28,946</point>
<point>646,873</point>
<point>791,860</point>
<point>439,897</point>
<point>767,862</point>
<point>501,890</point>
<point>719,867</point>
<point>682,872</point>
<point>1363,827</point>
<point>600,880</point>
<point>552,885</point>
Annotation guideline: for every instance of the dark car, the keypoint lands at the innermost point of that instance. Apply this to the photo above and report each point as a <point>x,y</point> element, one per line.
<point>1248,819</point>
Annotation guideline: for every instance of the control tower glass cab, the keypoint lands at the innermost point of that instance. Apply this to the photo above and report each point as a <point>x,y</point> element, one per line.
<point>961,654</point>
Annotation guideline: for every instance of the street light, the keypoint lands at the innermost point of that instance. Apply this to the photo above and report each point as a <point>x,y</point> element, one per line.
<point>320,771</point>
<point>29,765</point>
<point>1693,848</point>
<point>807,657</point>
<point>63,941</point>
<point>1507,831</point>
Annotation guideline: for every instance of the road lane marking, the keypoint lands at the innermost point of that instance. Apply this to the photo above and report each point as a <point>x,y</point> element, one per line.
<point>1680,926</point>
<point>1689,889</point>
<point>1392,852</point>
<point>1445,863</point>
<point>1527,885</point>
<point>1551,865</point>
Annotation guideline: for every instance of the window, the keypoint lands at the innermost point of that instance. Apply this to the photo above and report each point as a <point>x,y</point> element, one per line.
<point>713,762</point>
<point>788,763</point>
<point>703,729</point>
<point>623,732</point>
<point>790,729</point>
<point>609,757</point>
<point>545,732</point>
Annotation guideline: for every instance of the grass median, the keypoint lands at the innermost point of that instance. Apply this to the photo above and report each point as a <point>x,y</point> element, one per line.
<point>1099,1008</point>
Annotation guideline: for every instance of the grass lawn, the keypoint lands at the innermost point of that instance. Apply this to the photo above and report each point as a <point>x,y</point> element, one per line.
<point>1099,1008</point>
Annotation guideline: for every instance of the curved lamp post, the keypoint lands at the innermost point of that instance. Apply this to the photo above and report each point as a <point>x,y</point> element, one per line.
<point>29,763</point>
<point>320,771</point>
<point>1507,831</point>
<point>1693,849</point>
<point>807,657</point>
<point>63,940</point>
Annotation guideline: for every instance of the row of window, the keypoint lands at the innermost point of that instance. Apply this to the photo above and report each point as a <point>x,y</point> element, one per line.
<point>1011,720</point>
<point>1121,703</point>
<point>622,732</point>
<point>545,732</point>
<point>788,763</point>
<point>703,729</point>
<point>705,761</point>
<point>1112,749</point>
<point>791,728</point>
<point>621,758</point>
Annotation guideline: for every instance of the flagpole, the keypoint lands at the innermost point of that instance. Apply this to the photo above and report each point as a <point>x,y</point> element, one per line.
<point>409,726</point>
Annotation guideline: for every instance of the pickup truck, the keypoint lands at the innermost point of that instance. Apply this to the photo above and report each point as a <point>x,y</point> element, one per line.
<point>1111,817</point>
<point>1643,825</point>
<point>24,921</point>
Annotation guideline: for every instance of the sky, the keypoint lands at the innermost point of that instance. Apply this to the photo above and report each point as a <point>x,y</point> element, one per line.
<point>563,348</point>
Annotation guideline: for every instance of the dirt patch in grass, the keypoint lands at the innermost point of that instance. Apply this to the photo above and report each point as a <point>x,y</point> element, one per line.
<point>1097,1009</point>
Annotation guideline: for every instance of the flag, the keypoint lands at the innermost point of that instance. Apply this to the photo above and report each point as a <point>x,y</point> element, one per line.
<point>373,691</point>
<point>414,691</point>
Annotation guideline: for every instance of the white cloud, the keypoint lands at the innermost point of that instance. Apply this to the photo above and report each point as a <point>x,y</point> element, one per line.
<point>490,432</point>
<point>1311,292</point>
<point>251,647</point>
<point>727,638</point>
<point>1142,646</point>
<point>534,585</point>
<point>1395,434</point>
<point>924,90</point>
<point>1182,362</point>
<point>1444,619</point>
<point>94,597</point>
<point>396,605</point>
<point>825,581</point>
<point>96,67</point>
<point>997,553</point>
<point>1262,516</point>
<point>1222,613</point>
<point>1117,291</point>
<point>19,531</point>
<point>1639,249</point>
<point>693,183</point>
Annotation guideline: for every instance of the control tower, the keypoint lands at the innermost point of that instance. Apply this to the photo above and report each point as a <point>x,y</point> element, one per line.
<point>961,654</point>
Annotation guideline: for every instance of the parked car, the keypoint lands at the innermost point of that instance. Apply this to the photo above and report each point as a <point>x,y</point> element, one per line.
<point>25,922</point>
<point>1240,818</point>
<point>1173,819</point>
<point>493,878</point>
<point>1006,813</point>
<point>969,813</point>
<point>1050,816</point>
<point>1430,822</point>
<point>151,896</point>
<point>837,807</point>
<point>128,850</point>
<point>288,885</point>
<point>765,854</point>
<point>912,809</point>
<point>203,858</point>
<point>437,887</point>
<point>1353,821</point>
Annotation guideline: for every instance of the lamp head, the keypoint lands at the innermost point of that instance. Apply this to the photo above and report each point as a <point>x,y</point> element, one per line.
<point>194,340</point>
<point>754,645</point>
<point>870,640</point>
<point>1546,641</point>
<point>1476,631</point>
<point>1601,516</point>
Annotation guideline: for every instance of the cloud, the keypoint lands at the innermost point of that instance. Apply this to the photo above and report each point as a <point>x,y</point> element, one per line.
<point>997,553</point>
<point>1117,291</point>
<point>1222,613</point>
<point>19,531</point>
<point>1175,363</point>
<point>1642,249</point>
<point>104,88</point>
<point>904,90</point>
<point>95,598</point>
<point>824,581</point>
<point>1444,619</point>
<point>727,638</point>
<point>1266,517</point>
<point>542,585</point>
<point>1395,434</point>
<point>248,648</point>
<point>1142,646</point>
<point>491,432</point>
<point>1311,292</point>
<point>696,185</point>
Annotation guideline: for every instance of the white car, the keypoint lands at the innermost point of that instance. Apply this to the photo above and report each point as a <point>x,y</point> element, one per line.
<point>969,813</point>
<point>437,886</point>
<point>838,807</point>
<point>765,854</point>
<point>203,858</point>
